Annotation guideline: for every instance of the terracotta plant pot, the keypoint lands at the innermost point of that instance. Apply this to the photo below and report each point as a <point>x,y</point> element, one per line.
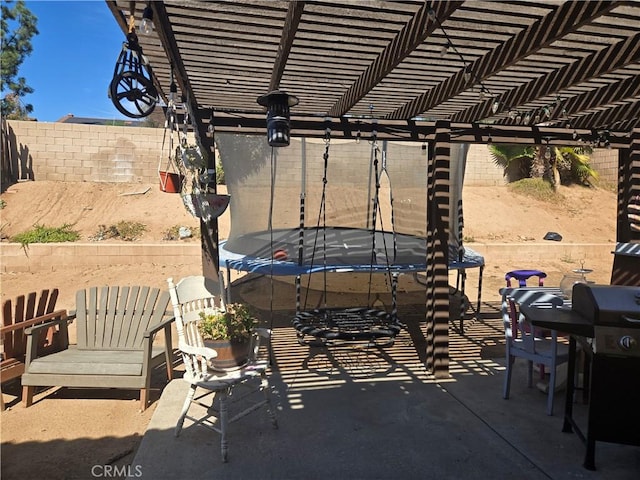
<point>231,356</point>
<point>171,182</point>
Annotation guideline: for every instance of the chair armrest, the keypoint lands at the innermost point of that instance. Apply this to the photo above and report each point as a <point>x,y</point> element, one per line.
<point>32,345</point>
<point>27,325</point>
<point>164,324</point>
<point>147,345</point>
<point>263,332</point>
<point>206,352</point>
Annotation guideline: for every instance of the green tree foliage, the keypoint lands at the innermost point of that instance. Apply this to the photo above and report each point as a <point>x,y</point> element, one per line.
<point>515,157</point>
<point>18,26</point>
<point>573,164</point>
<point>557,165</point>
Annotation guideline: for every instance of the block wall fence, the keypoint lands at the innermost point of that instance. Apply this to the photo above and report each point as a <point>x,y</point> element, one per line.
<point>42,257</point>
<point>97,153</point>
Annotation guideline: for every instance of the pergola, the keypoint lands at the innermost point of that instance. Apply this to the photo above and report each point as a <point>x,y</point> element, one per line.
<point>443,72</point>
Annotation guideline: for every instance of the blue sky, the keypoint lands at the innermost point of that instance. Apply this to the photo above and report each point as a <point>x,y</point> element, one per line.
<point>73,59</point>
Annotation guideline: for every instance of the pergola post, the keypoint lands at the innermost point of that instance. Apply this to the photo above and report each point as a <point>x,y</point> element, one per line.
<point>437,291</point>
<point>626,268</point>
<point>208,230</point>
<point>628,186</point>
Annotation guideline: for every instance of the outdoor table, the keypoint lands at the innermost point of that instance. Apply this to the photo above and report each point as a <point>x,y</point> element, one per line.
<point>579,329</point>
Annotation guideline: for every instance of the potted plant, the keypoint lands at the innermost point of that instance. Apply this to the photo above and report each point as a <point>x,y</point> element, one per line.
<point>228,331</point>
<point>172,177</point>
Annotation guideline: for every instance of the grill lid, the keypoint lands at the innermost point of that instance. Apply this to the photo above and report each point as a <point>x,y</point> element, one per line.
<point>614,305</point>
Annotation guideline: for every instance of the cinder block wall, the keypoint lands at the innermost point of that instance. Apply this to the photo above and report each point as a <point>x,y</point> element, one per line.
<point>86,153</point>
<point>97,153</point>
<point>606,164</point>
<point>480,169</point>
<point>78,256</point>
<point>38,257</point>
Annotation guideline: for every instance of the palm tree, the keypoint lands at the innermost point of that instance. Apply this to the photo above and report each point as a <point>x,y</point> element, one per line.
<point>575,164</point>
<point>515,159</point>
<point>555,164</point>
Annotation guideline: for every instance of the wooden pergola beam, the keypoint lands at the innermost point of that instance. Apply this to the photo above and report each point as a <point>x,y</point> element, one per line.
<point>417,30</point>
<point>294,13</point>
<point>605,61</point>
<point>602,119</point>
<point>624,90</point>
<point>167,37</point>
<point>208,229</point>
<point>539,35</point>
<point>402,130</point>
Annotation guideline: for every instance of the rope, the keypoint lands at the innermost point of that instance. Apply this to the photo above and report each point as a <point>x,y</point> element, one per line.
<point>393,277</point>
<point>377,214</point>
<point>171,166</point>
<point>393,223</point>
<point>374,214</point>
<point>322,220</point>
<point>331,325</point>
<point>303,194</point>
<point>131,24</point>
<point>271,200</point>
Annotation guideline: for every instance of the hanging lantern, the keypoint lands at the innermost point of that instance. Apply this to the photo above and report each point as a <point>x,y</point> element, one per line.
<point>278,104</point>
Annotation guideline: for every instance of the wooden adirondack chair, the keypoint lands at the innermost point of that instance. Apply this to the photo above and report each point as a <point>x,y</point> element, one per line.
<point>19,314</point>
<point>116,327</point>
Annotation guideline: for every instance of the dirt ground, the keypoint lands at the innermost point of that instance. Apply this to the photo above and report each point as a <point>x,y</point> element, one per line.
<point>76,433</point>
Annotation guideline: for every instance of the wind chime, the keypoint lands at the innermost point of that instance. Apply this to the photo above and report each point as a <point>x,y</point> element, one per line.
<point>131,90</point>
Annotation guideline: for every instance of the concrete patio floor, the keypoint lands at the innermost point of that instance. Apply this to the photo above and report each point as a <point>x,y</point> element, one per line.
<point>349,413</point>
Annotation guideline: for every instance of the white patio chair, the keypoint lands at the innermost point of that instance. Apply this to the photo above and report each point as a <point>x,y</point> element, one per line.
<point>523,341</point>
<point>190,296</point>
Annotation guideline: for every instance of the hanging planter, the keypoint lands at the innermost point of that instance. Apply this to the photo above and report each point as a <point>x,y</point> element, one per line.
<point>206,205</point>
<point>170,182</point>
<point>192,158</point>
<point>172,178</point>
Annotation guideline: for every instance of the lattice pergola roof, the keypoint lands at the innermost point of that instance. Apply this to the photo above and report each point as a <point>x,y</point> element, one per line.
<point>441,71</point>
<point>565,65</point>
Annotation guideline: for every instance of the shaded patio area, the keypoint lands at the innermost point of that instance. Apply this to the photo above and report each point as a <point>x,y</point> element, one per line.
<point>354,413</point>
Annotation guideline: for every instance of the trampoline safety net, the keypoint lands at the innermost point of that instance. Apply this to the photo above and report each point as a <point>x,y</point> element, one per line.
<point>276,202</point>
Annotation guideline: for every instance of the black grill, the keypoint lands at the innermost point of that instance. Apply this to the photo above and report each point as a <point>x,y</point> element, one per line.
<point>614,312</point>
<point>613,380</point>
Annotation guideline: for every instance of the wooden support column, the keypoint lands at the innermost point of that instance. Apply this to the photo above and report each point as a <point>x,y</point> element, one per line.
<point>200,119</point>
<point>628,186</point>
<point>208,230</point>
<point>626,264</point>
<point>437,301</point>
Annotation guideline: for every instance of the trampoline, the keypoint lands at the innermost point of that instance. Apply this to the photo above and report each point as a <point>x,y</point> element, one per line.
<point>370,222</point>
<point>348,250</point>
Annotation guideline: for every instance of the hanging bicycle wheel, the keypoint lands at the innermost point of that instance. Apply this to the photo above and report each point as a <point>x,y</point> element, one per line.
<point>133,94</point>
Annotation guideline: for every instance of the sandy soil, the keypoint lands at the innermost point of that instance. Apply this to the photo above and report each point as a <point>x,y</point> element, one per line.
<point>68,432</point>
